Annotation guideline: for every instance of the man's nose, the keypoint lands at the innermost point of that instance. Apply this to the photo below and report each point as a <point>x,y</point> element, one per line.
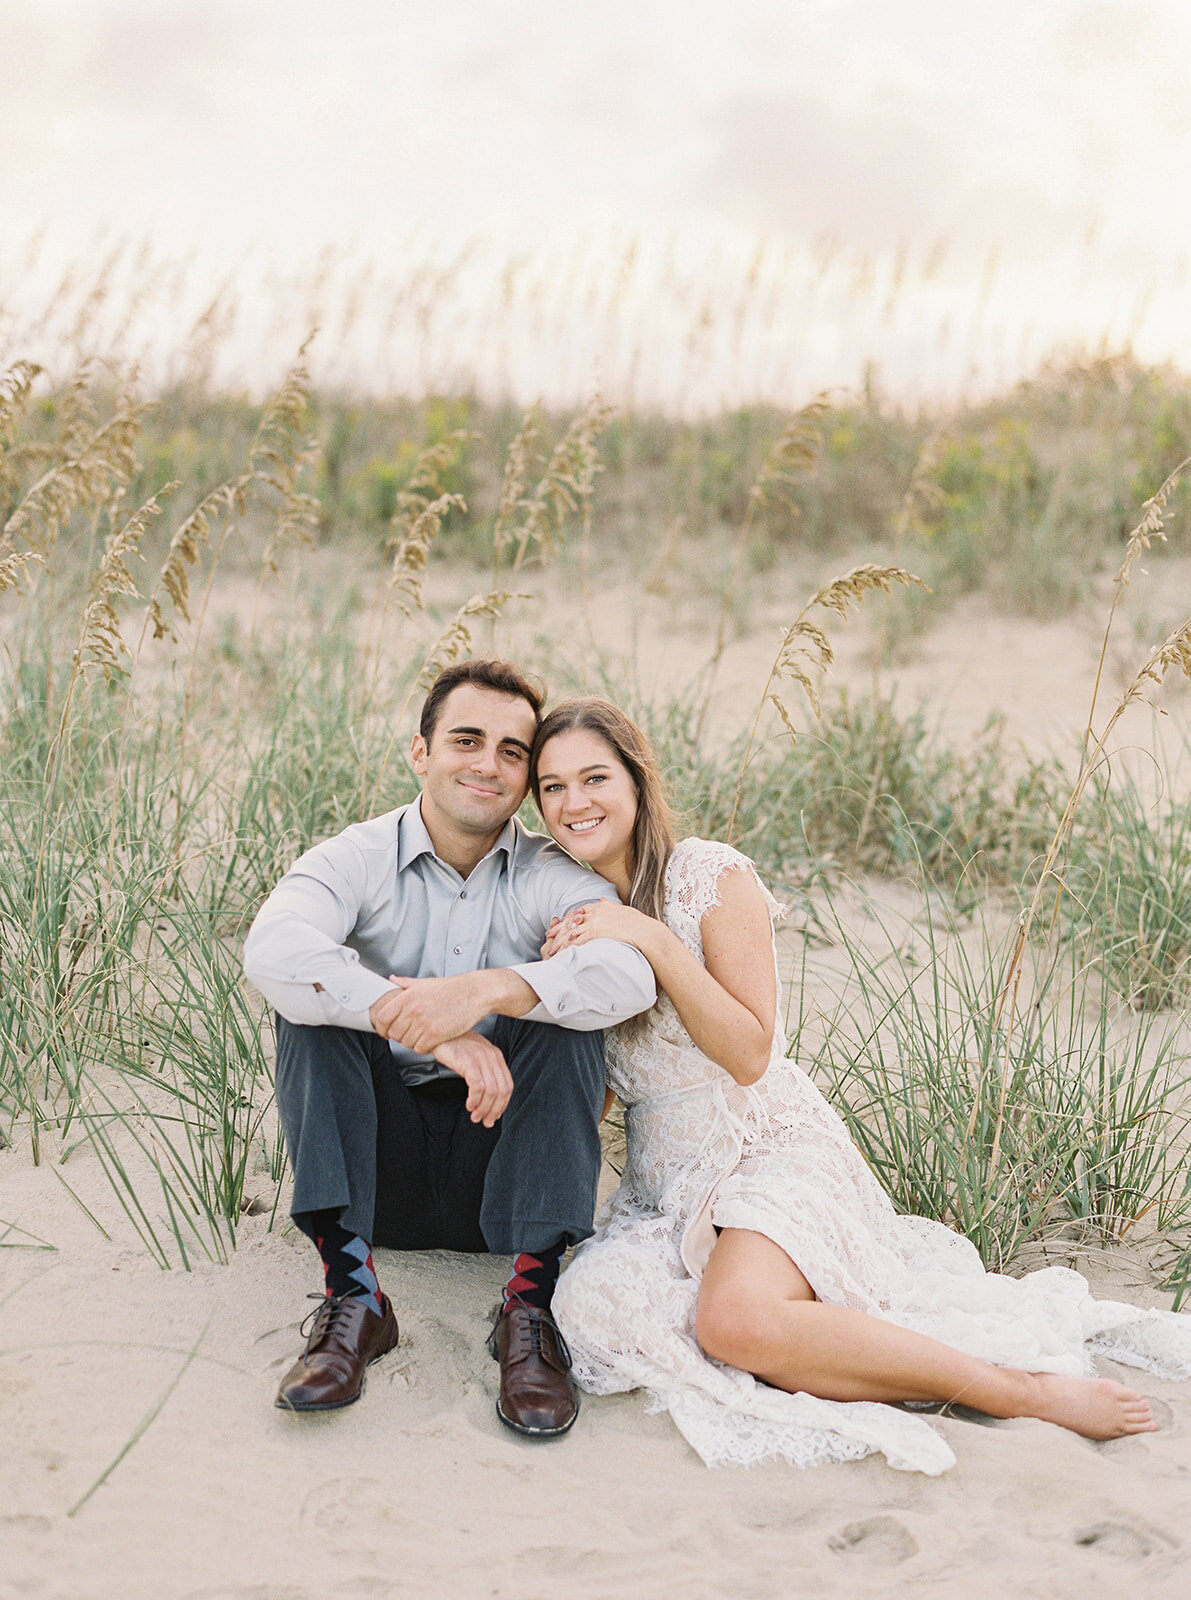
<point>484,760</point>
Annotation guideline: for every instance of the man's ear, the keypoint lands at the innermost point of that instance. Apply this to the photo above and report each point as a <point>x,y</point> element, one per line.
<point>417,754</point>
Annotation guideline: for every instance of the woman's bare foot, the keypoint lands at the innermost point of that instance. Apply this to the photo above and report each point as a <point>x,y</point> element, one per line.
<point>1097,1408</point>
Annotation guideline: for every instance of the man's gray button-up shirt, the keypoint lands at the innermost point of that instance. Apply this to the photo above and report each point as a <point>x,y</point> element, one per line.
<point>377,900</point>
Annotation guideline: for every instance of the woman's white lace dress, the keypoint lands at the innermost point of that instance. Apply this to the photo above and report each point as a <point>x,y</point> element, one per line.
<point>703,1151</point>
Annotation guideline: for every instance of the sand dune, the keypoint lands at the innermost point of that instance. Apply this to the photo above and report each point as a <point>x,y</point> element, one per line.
<point>418,1491</point>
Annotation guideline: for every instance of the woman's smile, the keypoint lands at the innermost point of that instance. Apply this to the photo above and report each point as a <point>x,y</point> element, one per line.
<point>588,800</point>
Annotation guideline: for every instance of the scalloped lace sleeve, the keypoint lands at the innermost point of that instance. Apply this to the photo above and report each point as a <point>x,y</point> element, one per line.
<point>693,886</point>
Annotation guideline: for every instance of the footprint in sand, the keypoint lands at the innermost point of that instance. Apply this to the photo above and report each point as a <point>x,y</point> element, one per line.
<point>1125,1542</point>
<point>25,1522</point>
<point>358,1515</point>
<point>1164,1416</point>
<point>878,1539</point>
<point>248,1591</point>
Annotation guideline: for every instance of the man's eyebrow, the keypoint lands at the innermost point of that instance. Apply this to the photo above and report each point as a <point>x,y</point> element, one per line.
<point>482,733</point>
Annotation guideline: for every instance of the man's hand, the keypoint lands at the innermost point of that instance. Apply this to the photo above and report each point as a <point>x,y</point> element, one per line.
<point>484,1070</point>
<point>421,1013</point>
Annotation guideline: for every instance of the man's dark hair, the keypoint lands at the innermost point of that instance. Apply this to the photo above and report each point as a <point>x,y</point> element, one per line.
<point>486,673</point>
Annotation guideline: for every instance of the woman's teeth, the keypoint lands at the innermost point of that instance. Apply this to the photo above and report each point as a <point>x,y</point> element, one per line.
<point>585,827</point>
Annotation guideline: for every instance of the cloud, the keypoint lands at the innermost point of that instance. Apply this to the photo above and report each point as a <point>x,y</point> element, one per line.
<point>881,174</point>
<point>143,57</point>
<point>1118,61</point>
<point>796,162</point>
<point>89,85</point>
<point>1000,121</point>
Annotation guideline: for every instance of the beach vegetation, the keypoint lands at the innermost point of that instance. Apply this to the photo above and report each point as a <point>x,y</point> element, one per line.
<point>217,616</point>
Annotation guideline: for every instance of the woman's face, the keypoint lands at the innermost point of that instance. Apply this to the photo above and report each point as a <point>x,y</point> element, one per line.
<point>588,800</point>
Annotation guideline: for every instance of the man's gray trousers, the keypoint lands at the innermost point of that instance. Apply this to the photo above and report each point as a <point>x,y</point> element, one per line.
<point>408,1169</point>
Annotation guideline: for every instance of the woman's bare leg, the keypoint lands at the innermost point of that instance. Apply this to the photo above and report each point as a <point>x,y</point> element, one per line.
<point>758,1312</point>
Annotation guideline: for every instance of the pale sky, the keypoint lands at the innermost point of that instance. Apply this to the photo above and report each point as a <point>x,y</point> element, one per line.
<point>1012,174</point>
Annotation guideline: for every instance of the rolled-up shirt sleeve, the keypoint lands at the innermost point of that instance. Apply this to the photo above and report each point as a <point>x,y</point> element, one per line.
<point>590,986</point>
<point>295,956</point>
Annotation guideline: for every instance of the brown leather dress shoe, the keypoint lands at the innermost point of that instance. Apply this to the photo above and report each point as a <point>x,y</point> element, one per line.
<point>537,1393</point>
<point>345,1334</point>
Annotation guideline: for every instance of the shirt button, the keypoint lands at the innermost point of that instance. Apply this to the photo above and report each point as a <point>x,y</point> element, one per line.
<point>458,949</point>
<point>463,894</point>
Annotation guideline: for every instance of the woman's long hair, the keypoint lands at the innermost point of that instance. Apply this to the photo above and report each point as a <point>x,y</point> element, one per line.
<point>653,831</point>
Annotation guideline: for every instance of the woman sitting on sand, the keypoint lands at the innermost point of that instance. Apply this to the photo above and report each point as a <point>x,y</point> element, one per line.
<point>748,1240</point>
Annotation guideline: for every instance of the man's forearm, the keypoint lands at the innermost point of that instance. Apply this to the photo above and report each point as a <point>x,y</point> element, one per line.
<point>420,1013</point>
<point>508,992</point>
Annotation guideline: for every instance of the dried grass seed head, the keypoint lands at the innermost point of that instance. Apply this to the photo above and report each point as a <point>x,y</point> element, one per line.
<point>1153,522</point>
<point>793,454</point>
<point>455,641</point>
<point>95,479</point>
<point>515,479</point>
<point>101,640</point>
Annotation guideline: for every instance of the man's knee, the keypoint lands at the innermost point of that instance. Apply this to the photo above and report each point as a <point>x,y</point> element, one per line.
<point>303,1046</point>
<point>565,1059</point>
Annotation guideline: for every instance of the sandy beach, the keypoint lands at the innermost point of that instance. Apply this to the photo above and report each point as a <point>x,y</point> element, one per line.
<point>144,1458</point>
<point>418,1490</point>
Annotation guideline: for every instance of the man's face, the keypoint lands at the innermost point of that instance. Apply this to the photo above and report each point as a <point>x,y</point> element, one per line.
<point>475,770</point>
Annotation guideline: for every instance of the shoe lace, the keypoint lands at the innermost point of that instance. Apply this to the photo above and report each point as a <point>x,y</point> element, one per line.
<point>320,1322</point>
<point>534,1327</point>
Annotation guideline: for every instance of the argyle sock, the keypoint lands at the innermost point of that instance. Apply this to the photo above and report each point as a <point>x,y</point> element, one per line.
<point>347,1260</point>
<point>534,1276</point>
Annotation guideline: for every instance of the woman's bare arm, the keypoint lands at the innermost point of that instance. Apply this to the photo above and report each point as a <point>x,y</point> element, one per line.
<point>729,1005</point>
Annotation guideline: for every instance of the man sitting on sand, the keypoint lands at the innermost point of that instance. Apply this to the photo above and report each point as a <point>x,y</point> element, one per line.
<point>439,1086</point>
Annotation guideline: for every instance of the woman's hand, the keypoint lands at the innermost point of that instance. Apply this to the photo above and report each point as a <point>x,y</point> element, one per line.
<point>602,919</point>
<point>558,936</point>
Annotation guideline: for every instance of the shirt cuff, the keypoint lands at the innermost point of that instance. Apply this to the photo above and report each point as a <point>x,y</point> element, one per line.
<point>549,987</point>
<point>346,997</point>
<point>564,1000</point>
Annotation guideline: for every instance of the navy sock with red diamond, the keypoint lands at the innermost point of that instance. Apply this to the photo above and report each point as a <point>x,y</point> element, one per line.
<point>347,1260</point>
<point>534,1276</point>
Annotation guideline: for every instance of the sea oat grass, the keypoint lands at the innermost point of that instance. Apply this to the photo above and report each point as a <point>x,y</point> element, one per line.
<point>805,652</point>
<point>1126,896</point>
<point>1077,1116</point>
<point>142,819</point>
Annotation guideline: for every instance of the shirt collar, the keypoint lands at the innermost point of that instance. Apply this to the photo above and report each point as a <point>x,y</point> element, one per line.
<point>413,840</point>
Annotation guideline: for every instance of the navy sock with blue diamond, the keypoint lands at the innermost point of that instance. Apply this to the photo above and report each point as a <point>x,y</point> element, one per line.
<point>347,1260</point>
